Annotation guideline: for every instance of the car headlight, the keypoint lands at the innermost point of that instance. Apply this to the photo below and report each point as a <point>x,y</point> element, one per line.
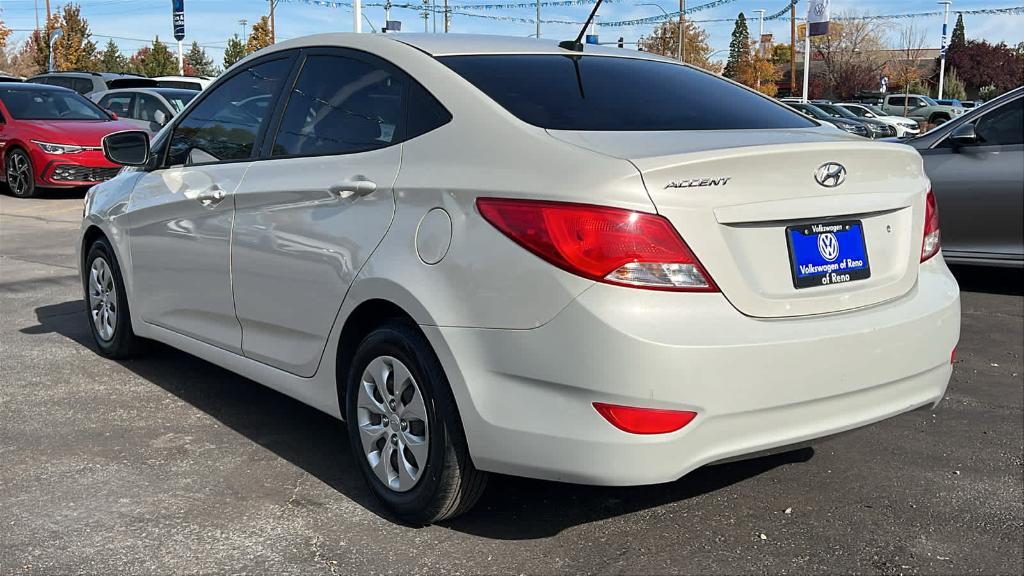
<point>57,148</point>
<point>854,128</point>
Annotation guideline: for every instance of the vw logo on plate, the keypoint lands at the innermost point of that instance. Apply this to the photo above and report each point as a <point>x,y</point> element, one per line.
<point>830,175</point>
<point>828,246</point>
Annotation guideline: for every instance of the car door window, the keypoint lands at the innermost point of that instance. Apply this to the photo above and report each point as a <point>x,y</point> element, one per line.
<point>227,123</point>
<point>120,104</point>
<point>146,107</point>
<point>898,101</point>
<point>1003,126</point>
<point>341,105</point>
<point>82,85</point>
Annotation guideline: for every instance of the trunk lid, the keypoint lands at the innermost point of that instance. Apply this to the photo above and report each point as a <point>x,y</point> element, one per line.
<point>733,194</point>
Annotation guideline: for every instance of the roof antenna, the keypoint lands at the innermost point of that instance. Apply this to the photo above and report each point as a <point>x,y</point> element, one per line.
<point>576,45</point>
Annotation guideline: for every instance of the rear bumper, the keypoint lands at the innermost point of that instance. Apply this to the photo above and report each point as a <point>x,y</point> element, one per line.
<point>526,396</point>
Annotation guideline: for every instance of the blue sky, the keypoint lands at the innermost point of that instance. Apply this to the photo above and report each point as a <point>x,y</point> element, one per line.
<point>211,22</point>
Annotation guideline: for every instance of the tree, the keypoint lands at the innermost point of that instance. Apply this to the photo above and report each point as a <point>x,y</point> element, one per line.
<point>739,46</point>
<point>111,59</point>
<point>19,60</point>
<point>906,69</point>
<point>781,54</point>
<point>155,61</point>
<point>954,87</point>
<point>197,63</point>
<point>260,36</point>
<point>234,52</point>
<point>850,54</point>
<point>5,33</point>
<point>959,38</point>
<point>665,41</point>
<point>75,49</point>
<point>981,64</point>
<point>758,72</point>
<point>989,92</point>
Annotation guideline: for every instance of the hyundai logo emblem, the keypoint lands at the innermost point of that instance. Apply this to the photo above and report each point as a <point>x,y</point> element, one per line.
<point>828,246</point>
<point>830,175</point>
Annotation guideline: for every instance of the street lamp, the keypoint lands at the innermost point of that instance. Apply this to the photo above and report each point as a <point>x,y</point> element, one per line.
<point>942,53</point>
<point>658,6</point>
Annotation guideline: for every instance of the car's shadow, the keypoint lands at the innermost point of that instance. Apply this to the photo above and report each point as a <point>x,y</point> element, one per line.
<point>1008,281</point>
<point>511,508</point>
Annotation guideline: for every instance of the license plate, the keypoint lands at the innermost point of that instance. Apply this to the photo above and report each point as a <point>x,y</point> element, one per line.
<point>827,253</point>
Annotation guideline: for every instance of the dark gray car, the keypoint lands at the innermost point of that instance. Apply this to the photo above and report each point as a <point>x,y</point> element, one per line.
<point>976,164</point>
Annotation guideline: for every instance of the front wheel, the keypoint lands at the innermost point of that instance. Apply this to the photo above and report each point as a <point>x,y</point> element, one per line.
<point>404,428</point>
<point>105,296</point>
<point>21,178</point>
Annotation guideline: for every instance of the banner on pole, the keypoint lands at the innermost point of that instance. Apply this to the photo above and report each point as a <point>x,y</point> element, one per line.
<point>818,17</point>
<point>178,7</point>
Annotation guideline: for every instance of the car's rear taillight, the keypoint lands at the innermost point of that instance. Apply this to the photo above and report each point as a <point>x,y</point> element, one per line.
<point>604,244</point>
<point>932,238</point>
<point>644,420</point>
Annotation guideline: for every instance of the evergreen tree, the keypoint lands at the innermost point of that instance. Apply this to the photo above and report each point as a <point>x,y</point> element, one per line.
<point>75,49</point>
<point>260,36</point>
<point>234,52</point>
<point>154,61</point>
<point>739,47</point>
<point>198,63</point>
<point>111,59</point>
<point>959,38</point>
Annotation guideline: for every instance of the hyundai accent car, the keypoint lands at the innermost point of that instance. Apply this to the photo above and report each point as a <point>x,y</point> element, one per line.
<point>50,138</point>
<point>491,254</point>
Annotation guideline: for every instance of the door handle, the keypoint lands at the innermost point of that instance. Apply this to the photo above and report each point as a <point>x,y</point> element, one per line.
<point>211,196</point>
<point>356,187</point>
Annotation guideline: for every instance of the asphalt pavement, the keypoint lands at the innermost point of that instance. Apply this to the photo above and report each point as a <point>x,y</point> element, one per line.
<point>167,464</point>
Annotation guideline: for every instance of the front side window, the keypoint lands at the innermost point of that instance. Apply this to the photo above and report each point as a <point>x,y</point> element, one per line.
<point>342,105</point>
<point>563,92</point>
<point>897,101</point>
<point>51,104</point>
<point>227,123</point>
<point>1003,126</point>
<point>120,104</point>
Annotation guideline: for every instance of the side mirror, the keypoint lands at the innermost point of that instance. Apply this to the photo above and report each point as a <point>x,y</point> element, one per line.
<point>112,114</point>
<point>964,135</point>
<point>128,148</point>
<point>160,117</point>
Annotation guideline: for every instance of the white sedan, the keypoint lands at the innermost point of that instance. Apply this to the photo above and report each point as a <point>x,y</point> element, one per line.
<point>492,254</point>
<point>905,127</point>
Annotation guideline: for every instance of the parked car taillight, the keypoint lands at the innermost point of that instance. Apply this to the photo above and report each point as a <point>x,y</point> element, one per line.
<point>932,241</point>
<point>604,244</point>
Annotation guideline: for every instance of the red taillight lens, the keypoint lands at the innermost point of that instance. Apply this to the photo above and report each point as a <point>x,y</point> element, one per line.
<point>932,237</point>
<point>644,420</point>
<point>605,244</point>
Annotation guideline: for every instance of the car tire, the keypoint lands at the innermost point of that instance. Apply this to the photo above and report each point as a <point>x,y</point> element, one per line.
<point>390,421</point>
<point>107,303</point>
<point>938,119</point>
<point>21,179</point>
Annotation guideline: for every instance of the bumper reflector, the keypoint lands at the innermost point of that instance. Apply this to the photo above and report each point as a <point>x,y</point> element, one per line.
<point>644,420</point>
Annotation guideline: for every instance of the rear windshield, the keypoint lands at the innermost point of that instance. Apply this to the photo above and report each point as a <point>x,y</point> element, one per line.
<point>45,104</point>
<point>618,94</point>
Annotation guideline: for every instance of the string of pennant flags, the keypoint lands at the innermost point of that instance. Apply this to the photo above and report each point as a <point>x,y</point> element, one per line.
<point>471,11</point>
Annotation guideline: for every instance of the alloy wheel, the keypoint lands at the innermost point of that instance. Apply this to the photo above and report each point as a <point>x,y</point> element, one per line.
<point>102,299</point>
<point>392,420</point>
<point>18,174</point>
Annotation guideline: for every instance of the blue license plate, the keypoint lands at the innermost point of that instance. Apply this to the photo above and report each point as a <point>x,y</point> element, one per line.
<point>827,253</point>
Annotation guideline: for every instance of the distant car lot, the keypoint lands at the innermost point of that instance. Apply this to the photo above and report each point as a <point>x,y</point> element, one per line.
<point>150,466</point>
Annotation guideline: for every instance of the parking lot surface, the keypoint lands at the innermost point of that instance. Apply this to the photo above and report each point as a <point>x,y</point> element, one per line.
<point>167,464</point>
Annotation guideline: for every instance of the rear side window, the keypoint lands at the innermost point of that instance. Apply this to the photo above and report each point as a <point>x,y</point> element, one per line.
<point>120,104</point>
<point>342,105</point>
<point>618,94</point>
<point>226,124</point>
<point>82,85</point>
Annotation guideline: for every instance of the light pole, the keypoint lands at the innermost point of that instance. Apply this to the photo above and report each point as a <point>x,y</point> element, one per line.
<point>682,31</point>
<point>357,16</point>
<point>760,33</point>
<point>942,53</point>
<point>538,18</point>
<point>245,30</point>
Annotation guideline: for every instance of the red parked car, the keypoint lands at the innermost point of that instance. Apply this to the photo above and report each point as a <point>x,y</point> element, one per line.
<point>50,137</point>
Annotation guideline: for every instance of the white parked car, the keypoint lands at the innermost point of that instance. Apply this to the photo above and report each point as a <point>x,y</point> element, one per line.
<point>183,82</point>
<point>492,254</point>
<point>905,127</point>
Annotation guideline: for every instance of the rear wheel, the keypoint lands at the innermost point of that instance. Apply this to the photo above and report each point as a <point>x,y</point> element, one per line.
<point>939,119</point>
<point>109,318</point>
<point>20,175</point>
<point>404,428</point>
